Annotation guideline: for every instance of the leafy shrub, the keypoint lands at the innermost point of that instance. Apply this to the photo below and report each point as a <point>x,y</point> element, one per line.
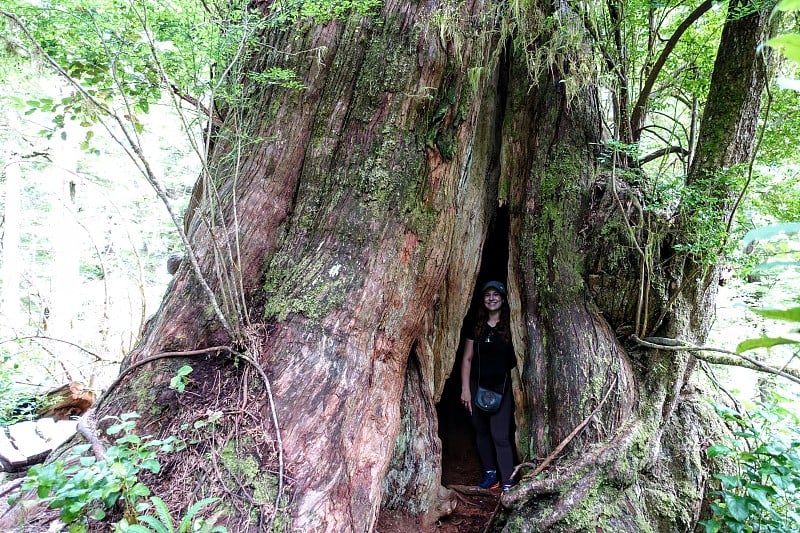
<point>84,488</point>
<point>762,494</point>
<point>17,402</point>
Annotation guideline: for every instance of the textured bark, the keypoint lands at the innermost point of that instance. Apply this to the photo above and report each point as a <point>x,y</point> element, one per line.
<point>357,224</point>
<point>348,213</point>
<point>590,277</point>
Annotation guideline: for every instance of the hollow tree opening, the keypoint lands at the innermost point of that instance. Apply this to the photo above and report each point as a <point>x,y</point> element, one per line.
<point>460,463</point>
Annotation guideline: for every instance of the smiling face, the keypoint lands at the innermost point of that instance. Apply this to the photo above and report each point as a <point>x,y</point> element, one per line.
<point>493,300</point>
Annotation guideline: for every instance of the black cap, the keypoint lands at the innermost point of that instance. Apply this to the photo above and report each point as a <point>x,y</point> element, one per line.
<point>496,285</point>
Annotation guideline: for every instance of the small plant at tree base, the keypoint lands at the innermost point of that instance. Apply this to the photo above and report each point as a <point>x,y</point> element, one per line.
<point>762,494</point>
<point>85,488</point>
<point>162,522</point>
<point>179,380</point>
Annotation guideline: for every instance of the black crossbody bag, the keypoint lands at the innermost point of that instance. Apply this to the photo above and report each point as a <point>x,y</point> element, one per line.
<point>487,399</point>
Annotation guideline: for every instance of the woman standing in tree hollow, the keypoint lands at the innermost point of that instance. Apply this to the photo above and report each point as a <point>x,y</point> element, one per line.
<point>489,357</point>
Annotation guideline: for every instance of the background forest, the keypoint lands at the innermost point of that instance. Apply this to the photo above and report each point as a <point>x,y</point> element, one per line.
<point>106,107</point>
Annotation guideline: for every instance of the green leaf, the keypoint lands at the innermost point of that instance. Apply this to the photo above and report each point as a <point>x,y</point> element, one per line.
<point>130,438</point>
<point>717,450</point>
<point>729,482</point>
<point>763,342</point>
<point>209,524</point>
<point>152,465</point>
<point>773,449</point>
<point>81,448</point>
<point>767,232</point>
<point>186,521</point>
<point>737,506</point>
<point>113,429</point>
<point>761,494</point>
<point>790,315</point>
<point>788,5</point>
<point>712,526</point>
<point>163,511</point>
<point>139,490</point>
<point>788,43</point>
<point>43,491</point>
<point>155,524</point>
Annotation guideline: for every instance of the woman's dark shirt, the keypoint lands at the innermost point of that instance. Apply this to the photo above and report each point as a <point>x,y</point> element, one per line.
<point>492,359</point>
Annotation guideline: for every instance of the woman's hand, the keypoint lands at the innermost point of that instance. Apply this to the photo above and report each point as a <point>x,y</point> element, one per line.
<point>466,400</point>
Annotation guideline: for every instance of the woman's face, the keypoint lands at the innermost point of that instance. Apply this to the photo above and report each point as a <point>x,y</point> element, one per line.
<point>493,300</point>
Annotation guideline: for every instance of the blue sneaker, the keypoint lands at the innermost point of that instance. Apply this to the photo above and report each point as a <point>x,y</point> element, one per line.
<point>490,480</point>
<point>507,486</point>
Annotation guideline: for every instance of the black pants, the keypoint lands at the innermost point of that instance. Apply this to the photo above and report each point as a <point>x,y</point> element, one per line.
<point>492,432</point>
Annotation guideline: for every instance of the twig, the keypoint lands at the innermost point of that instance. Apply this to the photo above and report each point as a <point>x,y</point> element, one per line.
<point>156,357</point>
<point>549,459</point>
<point>213,117</point>
<point>491,517</point>
<point>46,337</point>
<point>710,373</point>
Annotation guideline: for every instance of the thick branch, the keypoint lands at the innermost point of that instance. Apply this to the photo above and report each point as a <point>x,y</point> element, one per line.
<point>728,358</point>
<point>639,108</point>
<point>662,152</point>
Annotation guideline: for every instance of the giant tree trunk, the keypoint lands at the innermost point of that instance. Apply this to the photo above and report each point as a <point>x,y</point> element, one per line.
<point>344,242</point>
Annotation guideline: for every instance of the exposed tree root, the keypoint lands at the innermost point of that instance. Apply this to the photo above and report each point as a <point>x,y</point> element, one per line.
<point>87,427</point>
<point>595,460</point>
<point>638,477</point>
<point>470,490</point>
<point>565,504</point>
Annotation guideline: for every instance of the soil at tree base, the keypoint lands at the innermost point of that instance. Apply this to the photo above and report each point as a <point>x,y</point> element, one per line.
<point>471,515</point>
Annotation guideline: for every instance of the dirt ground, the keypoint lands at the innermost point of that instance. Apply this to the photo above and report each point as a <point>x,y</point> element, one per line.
<point>472,515</point>
<point>461,471</point>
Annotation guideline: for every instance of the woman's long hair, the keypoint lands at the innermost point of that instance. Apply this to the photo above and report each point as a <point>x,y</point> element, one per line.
<point>481,328</point>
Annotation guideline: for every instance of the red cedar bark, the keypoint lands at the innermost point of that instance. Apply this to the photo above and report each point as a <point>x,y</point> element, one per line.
<point>347,213</point>
<point>361,215</point>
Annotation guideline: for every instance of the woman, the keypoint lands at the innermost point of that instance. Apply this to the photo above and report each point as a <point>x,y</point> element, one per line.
<point>488,360</point>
